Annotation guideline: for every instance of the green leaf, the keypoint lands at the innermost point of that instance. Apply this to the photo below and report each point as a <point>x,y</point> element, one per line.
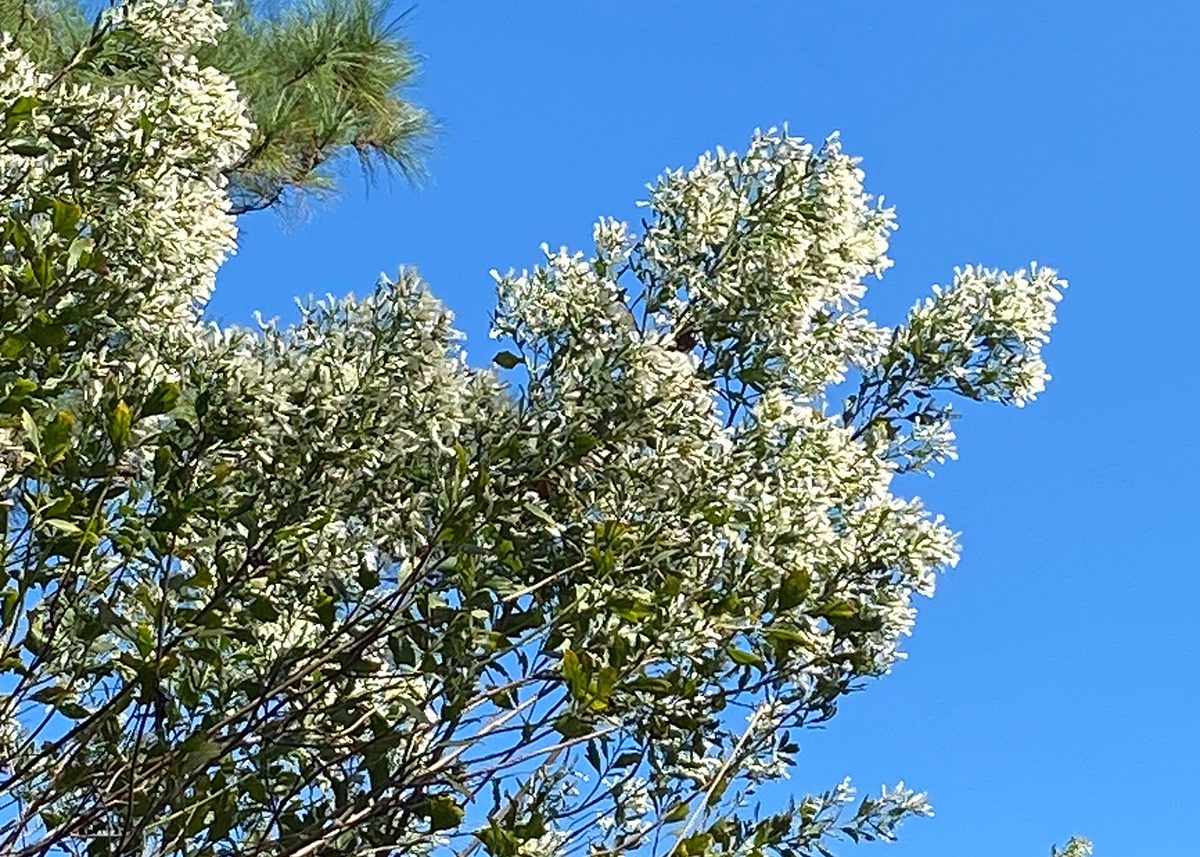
<point>209,656</point>
<point>73,710</point>
<point>507,360</point>
<point>20,110</point>
<point>784,638</point>
<point>57,438</point>
<point>143,638</point>
<point>120,421</point>
<point>627,759</point>
<point>631,609</point>
<point>540,514</point>
<point>162,400</point>
<point>29,426</point>
<point>28,150</point>
<point>253,787</point>
<point>443,813</point>
<point>519,621</point>
<point>34,643</point>
<point>497,841</point>
<point>63,526</point>
<point>593,756</point>
<point>65,217</point>
<point>573,672</point>
<point>840,609</point>
<point>264,610</point>
<point>794,589</point>
<point>51,695</point>
<point>785,632</point>
<point>570,726</point>
<point>677,813</point>
<point>43,270</point>
<point>198,750</point>
<point>606,680</point>
<point>8,606</point>
<point>78,253</point>
<point>744,658</point>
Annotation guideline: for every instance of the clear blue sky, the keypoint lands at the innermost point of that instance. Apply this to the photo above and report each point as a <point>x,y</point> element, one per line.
<point>1053,685</point>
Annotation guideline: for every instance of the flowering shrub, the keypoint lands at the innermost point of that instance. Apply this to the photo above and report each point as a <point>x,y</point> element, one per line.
<point>328,589</point>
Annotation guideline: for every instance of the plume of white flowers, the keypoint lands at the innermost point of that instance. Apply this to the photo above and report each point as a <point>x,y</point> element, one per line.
<point>984,333</point>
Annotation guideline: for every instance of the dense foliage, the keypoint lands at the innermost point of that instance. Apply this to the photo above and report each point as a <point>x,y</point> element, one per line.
<point>328,589</point>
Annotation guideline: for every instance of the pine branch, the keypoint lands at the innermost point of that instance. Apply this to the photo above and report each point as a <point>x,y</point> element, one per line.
<point>322,79</point>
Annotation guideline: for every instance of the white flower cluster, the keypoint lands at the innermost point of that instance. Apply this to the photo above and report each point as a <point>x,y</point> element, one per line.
<point>804,502</point>
<point>1077,847</point>
<point>566,294</point>
<point>163,227</point>
<point>146,164</point>
<point>764,255</point>
<point>634,805</point>
<point>172,26</point>
<point>904,799</point>
<point>841,795</point>
<point>984,333</point>
<point>766,762</point>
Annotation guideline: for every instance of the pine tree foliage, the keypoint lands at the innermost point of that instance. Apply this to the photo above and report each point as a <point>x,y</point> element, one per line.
<point>321,78</point>
<point>331,590</point>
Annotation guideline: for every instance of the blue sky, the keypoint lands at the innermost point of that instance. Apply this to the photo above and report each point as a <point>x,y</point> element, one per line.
<point>1053,685</point>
